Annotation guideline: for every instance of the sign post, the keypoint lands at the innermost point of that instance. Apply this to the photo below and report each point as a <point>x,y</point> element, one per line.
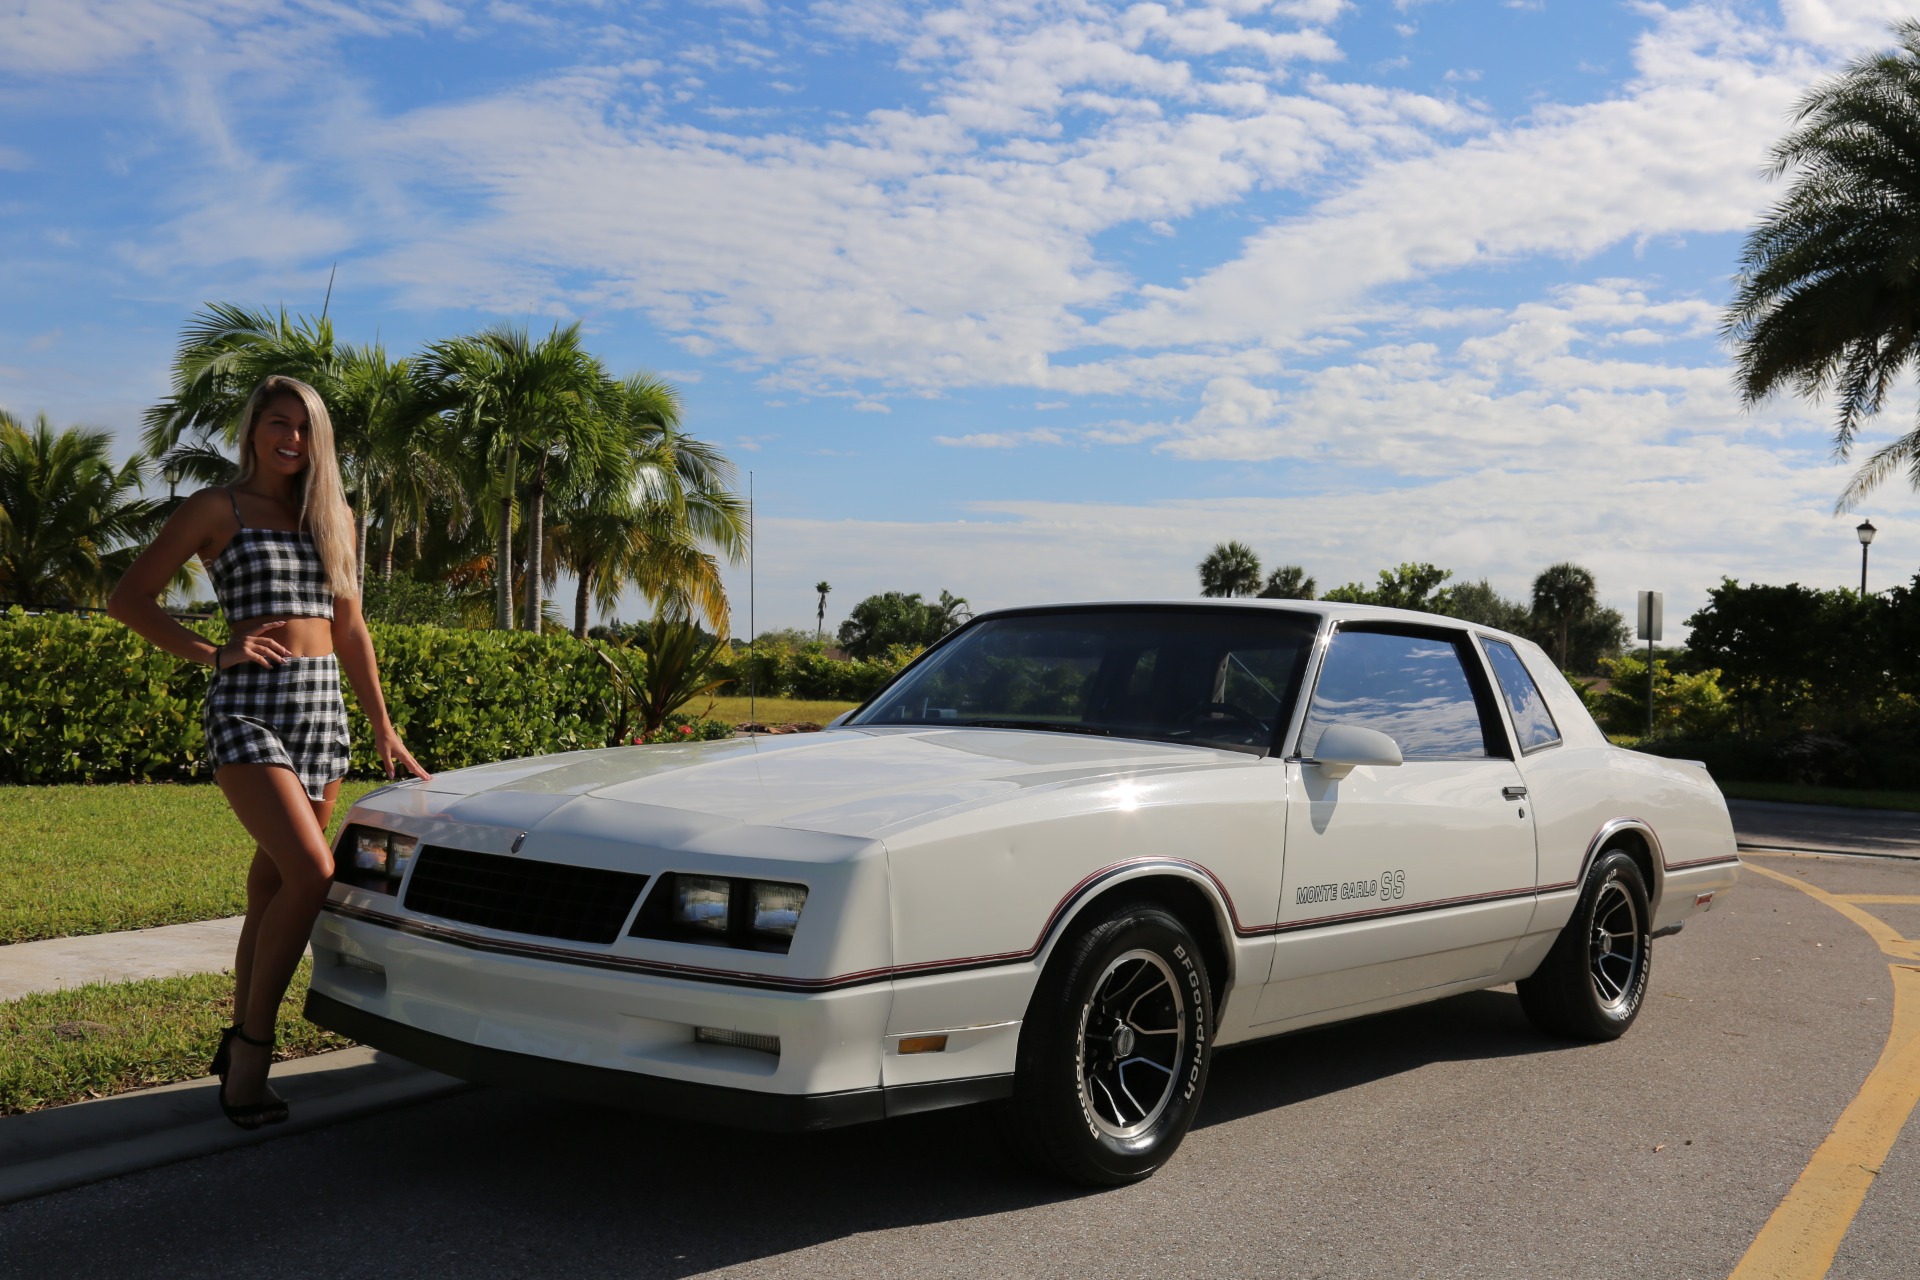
<point>1650,618</point>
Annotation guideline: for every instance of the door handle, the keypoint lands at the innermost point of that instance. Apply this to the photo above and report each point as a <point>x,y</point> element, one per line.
<point>1513,793</point>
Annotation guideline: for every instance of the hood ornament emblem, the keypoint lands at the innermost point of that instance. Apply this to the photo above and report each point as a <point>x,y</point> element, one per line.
<point>517,842</point>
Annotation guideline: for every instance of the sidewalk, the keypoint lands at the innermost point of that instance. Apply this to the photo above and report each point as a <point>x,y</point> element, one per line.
<point>57,963</point>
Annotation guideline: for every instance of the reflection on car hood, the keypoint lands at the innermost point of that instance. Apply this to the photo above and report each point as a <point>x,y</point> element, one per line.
<point>860,782</point>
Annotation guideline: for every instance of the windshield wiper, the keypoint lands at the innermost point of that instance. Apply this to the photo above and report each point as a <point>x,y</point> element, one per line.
<point>1049,726</point>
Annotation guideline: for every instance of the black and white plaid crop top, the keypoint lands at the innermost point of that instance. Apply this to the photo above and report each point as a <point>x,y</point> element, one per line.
<point>270,571</point>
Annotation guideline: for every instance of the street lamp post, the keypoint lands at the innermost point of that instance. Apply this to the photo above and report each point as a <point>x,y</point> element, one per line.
<point>1865,532</point>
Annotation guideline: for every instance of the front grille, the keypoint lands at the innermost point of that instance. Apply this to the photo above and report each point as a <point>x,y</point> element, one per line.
<point>547,899</point>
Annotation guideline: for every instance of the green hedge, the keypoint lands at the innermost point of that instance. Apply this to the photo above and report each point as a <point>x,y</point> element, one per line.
<point>810,674</point>
<point>86,700</point>
<point>83,699</point>
<point>1810,759</point>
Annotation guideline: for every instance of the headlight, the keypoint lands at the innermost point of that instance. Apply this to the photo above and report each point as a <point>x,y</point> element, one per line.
<point>700,902</point>
<point>375,859</point>
<point>776,907</point>
<point>719,911</point>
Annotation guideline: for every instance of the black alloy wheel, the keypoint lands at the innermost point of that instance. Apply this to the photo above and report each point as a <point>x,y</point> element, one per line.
<point>1593,982</point>
<point>1115,1048</point>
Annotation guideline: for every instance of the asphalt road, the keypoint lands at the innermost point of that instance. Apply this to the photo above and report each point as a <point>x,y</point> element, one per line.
<point>1447,1140</point>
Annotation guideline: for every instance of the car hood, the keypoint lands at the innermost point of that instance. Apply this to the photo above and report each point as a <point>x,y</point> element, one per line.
<point>855,782</point>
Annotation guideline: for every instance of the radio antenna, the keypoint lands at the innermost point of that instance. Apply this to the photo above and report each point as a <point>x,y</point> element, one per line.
<point>753,668</point>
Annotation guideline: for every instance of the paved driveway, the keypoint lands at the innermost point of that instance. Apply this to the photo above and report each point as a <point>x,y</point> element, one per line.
<point>1450,1140</point>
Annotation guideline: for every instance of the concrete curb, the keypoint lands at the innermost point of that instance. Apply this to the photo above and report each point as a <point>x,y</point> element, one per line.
<point>1829,851</point>
<point>84,1142</point>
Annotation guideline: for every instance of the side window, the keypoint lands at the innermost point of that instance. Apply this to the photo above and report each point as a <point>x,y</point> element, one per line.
<point>1530,715</point>
<point>1412,688</point>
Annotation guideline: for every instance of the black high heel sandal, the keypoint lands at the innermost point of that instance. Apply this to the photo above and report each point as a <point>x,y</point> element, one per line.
<point>273,1111</point>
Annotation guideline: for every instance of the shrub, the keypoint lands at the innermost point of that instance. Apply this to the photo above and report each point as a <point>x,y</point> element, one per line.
<point>87,700</point>
<point>808,673</point>
<point>83,699</point>
<point>1688,705</point>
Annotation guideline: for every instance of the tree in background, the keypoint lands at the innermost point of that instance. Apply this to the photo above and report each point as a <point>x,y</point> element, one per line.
<point>820,614</point>
<point>1796,658</point>
<point>1564,594</point>
<point>894,618</point>
<point>1479,602</point>
<point>383,430</point>
<point>1827,290</point>
<point>1288,582</point>
<point>523,408</point>
<point>1230,569</point>
<point>70,521</point>
<point>1410,586</point>
<point>650,523</point>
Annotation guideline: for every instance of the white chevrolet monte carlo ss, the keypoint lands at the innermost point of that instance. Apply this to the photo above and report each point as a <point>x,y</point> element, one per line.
<point>1061,860</point>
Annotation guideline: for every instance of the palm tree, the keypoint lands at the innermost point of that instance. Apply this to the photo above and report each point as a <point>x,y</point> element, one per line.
<point>518,404</point>
<point>70,521</point>
<point>1828,291</point>
<point>820,614</point>
<point>381,421</point>
<point>657,520</point>
<point>1564,594</point>
<point>1230,569</point>
<point>1288,582</point>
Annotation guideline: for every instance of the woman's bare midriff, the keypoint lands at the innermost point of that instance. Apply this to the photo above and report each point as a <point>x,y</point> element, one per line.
<point>304,637</point>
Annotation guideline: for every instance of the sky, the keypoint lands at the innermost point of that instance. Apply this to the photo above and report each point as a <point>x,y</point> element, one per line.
<point>1022,299</point>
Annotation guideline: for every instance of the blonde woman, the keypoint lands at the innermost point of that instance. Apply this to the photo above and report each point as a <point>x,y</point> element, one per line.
<point>278,544</point>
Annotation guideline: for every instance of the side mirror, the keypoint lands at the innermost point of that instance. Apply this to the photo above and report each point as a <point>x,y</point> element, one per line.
<point>1344,747</point>
<point>839,719</point>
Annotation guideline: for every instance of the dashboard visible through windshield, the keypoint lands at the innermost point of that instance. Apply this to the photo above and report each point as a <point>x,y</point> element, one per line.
<point>1209,676</point>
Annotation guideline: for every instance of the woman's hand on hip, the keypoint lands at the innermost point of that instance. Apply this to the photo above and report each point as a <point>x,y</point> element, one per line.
<point>387,743</point>
<point>253,644</point>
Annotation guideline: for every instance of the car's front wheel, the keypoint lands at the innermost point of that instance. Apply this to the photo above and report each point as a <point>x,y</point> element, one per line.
<point>1115,1048</point>
<point>1592,983</point>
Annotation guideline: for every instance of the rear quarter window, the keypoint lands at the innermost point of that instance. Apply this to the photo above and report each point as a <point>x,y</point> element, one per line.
<point>1532,720</point>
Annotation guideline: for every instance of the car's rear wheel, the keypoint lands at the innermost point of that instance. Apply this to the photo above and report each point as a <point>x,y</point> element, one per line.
<point>1115,1048</point>
<point>1593,982</point>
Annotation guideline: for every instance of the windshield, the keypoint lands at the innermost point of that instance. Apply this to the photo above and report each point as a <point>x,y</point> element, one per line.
<point>1208,676</point>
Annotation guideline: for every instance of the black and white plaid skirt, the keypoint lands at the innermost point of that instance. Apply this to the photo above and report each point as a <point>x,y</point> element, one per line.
<point>289,715</point>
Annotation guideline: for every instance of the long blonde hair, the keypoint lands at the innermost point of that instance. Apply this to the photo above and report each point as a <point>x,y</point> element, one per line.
<point>323,498</point>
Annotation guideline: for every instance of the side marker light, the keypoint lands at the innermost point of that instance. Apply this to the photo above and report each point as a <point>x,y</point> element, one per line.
<point>923,1044</point>
<point>1703,900</point>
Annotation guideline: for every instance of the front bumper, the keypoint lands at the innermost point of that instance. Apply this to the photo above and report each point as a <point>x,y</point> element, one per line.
<point>458,1005</point>
<point>719,1104</point>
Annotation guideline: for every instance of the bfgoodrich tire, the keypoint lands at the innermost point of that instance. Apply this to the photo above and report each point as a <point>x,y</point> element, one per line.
<point>1115,1048</point>
<point>1593,982</point>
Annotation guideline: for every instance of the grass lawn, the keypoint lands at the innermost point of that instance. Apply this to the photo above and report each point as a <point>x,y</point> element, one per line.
<point>90,1042</point>
<point>772,710</point>
<point>97,859</point>
<point>1793,793</point>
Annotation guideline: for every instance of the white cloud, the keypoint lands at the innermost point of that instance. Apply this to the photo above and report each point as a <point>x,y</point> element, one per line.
<point>1678,151</point>
<point>1849,25</point>
<point>64,37</point>
<point>1002,439</point>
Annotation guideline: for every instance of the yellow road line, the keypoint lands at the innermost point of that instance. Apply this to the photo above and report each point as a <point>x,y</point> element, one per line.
<point>1906,899</point>
<point>1801,1237</point>
<point>1879,930</point>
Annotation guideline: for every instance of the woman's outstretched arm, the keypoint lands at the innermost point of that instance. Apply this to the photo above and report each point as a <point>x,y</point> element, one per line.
<point>355,647</point>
